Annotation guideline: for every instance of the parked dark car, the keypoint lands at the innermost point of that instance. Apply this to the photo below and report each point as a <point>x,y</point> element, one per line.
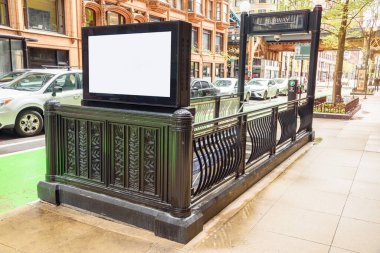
<point>202,88</point>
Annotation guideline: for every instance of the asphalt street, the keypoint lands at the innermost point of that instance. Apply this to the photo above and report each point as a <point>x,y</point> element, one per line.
<point>11,143</point>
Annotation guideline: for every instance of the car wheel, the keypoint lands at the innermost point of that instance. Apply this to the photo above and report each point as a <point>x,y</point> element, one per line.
<point>29,123</point>
<point>265,95</point>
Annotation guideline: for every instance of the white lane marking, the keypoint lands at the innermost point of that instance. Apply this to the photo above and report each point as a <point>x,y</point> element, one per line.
<point>22,151</point>
<point>20,143</point>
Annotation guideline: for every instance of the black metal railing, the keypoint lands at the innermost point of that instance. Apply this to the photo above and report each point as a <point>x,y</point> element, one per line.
<point>225,148</point>
<point>208,108</point>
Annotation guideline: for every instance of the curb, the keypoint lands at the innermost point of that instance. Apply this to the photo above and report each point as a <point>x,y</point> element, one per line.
<point>347,116</point>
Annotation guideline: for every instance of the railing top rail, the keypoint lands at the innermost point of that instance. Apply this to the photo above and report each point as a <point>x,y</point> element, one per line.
<point>256,112</point>
<point>210,98</point>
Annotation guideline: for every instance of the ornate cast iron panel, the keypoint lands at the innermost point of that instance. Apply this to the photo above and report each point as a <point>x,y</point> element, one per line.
<point>71,153</point>
<point>96,151</point>
<point>118,152</point>
<point>82,148</point>
<point>125,157</point>
<point>149,152</point>
<point>133,158</point>
<point>134,152</point>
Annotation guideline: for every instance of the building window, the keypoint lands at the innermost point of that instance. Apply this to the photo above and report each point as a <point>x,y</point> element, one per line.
<point>190,5</point>
<point>195,69</point>
<point>155,19</point>
<point>4,15</point>
<point>114,18</point>
<point>11,55</point>
<point>206,71</point>
<point>263,1</point>
<point>219,70</point>
<point>218,11</point>
<point>90,17</point>
<point>206,45</point>
<point>225,13</point>
<point>47,15</point>
<point>194,38</point>
<point>177,4</point>
<point>262,11</point>
<point>39,57</point>
<point>198,6</point>
<point>209,11</point>
<point>218,42</point>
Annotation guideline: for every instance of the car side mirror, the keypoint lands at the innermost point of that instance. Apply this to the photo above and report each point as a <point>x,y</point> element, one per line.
<point>56,90</point>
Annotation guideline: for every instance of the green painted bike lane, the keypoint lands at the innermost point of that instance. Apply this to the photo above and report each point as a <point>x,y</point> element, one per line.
<point>19,175</point>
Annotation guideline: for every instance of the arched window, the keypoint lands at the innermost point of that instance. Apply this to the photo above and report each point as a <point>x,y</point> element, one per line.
<point>114,18</point>
<point>90,17</point>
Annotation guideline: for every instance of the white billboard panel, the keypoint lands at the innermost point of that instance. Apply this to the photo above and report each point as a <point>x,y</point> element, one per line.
<point>130,64</point>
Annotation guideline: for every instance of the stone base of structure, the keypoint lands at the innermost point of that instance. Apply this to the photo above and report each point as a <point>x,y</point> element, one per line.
<point>181,230</point>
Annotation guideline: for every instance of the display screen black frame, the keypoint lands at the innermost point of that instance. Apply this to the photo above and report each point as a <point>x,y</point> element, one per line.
<point>179,65</point>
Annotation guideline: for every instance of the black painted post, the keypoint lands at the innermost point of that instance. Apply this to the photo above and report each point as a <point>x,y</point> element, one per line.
<point>315,27</point>
<point>217,107</point>
<point>25,54</point>
<point>51,139</point>
<point>274,128</point>
<point>295,116</point>
<point>181,163</point>
<point>242,54</point>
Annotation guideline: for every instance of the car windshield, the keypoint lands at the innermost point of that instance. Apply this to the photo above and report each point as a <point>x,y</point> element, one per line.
<point>222,83</point>
<point>258,82</point>
<point>30,82</point>
<point>9,76</point>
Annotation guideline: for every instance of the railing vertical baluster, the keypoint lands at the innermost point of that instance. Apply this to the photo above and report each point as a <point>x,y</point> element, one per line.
<point>243,143</point>
<point>295,117</point>
<point>274,128</point>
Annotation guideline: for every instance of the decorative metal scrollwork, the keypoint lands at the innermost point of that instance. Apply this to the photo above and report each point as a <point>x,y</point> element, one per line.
<point>216,156</point>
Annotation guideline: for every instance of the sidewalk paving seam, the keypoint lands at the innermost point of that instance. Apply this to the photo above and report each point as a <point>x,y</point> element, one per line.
<point>345,203</point>
<point>295,237</point>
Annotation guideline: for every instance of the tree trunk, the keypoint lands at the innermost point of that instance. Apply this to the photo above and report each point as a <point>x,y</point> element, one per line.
<point>337,90</point>
<point>367,52</point>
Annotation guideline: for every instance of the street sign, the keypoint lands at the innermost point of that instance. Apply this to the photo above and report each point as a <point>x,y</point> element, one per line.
<point>279,22</point>
<point>302,52</point>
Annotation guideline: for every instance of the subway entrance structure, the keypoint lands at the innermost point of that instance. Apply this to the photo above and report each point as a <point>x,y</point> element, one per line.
<point>139,152</point>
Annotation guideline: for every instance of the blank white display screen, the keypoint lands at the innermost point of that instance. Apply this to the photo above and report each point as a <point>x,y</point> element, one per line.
<point>130,64</point>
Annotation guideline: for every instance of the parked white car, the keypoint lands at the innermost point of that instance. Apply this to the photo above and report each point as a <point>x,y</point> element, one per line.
<point>282,85</point>
<point>229,86</point>
<point>22,101</point>
<point>262,88</point>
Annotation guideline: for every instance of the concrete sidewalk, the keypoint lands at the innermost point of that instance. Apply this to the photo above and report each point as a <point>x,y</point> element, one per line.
<point>328,200</point>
